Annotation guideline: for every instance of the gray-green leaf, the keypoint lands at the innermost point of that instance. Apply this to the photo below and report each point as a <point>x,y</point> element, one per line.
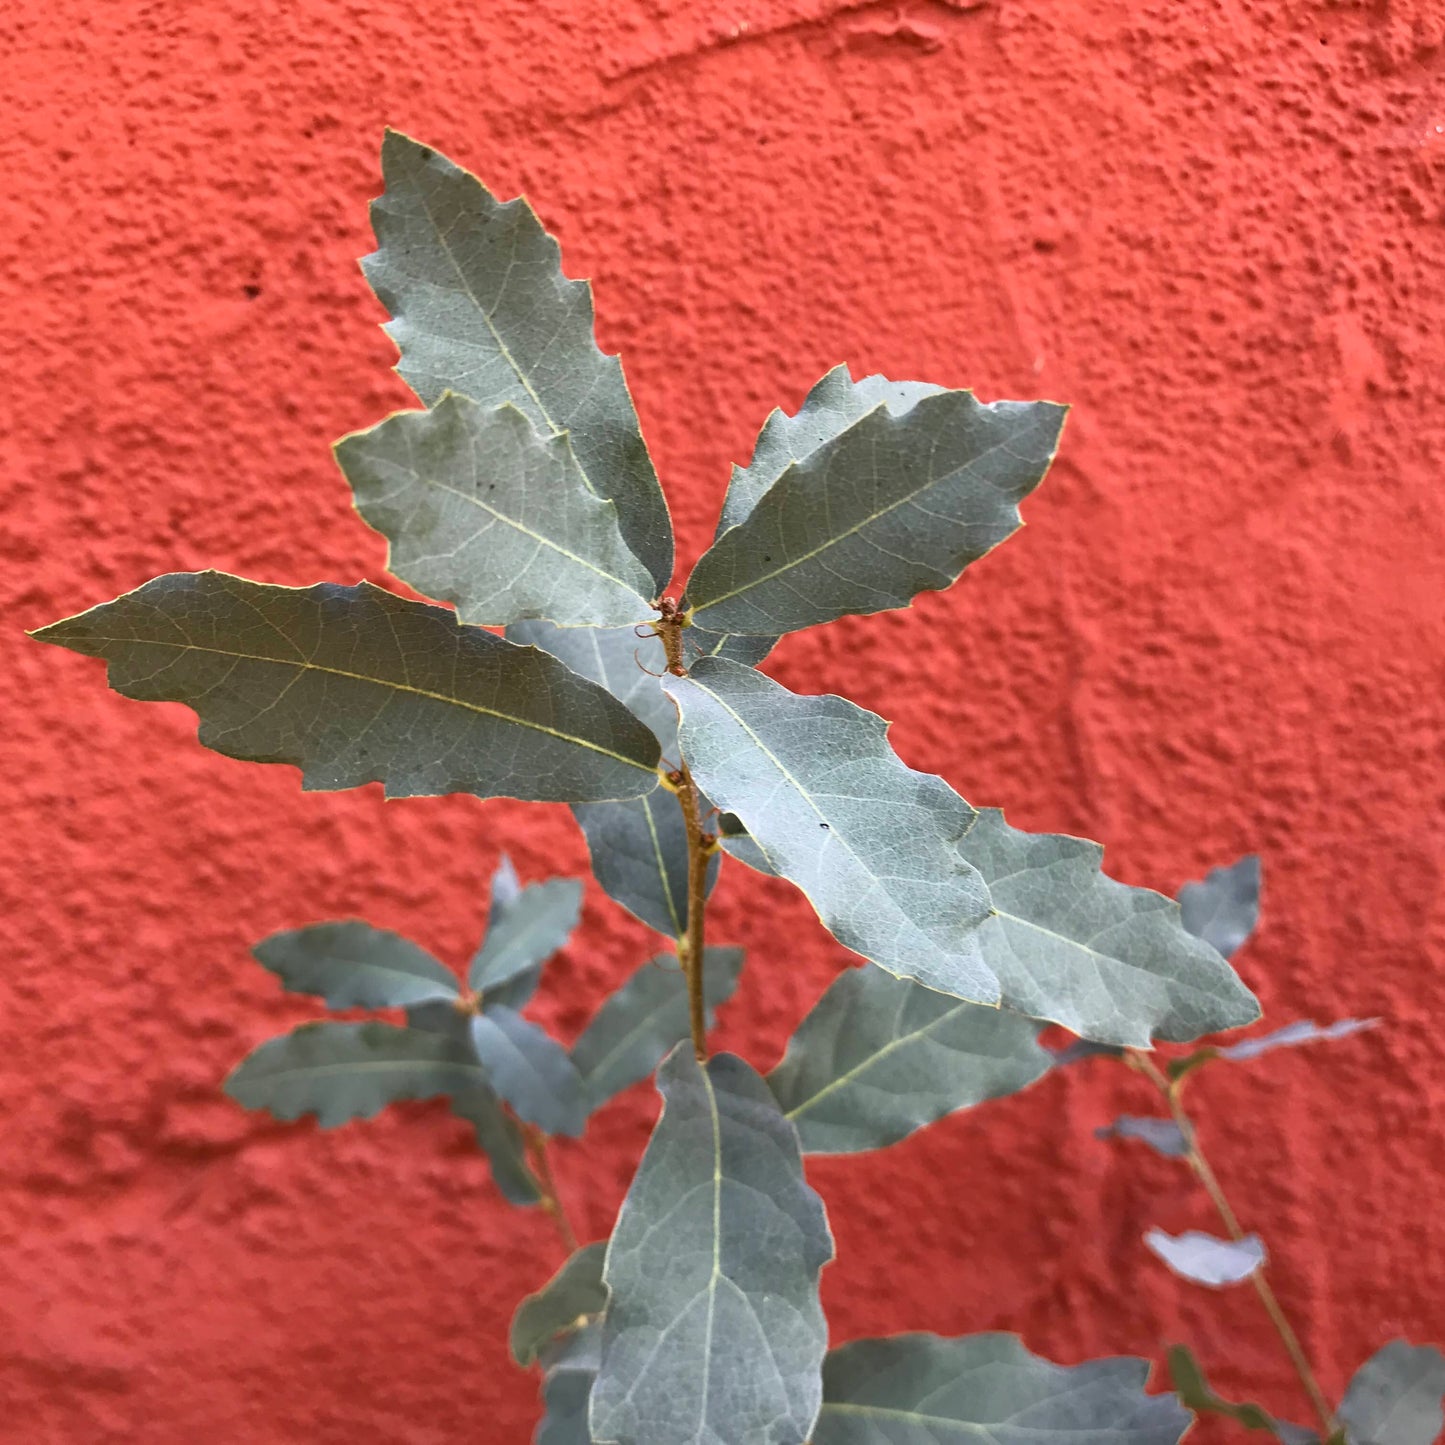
<point>1163,1136</point>
<point>986,1390</point>
<point>639,1023</point>
<point>828,410</point>
<point>1223,907</point>
<point>1302,1031</point>
<point>531,1071</point>
<point>532,928</point>
<point>573,1293</point>
<point>355,685</point>
<point>506,890</point>
<point>1395,1396</point>
<point>353,965</point>
<point>894,505</point>
<point>1205,1258</point>
<point>879,1056</point>
<point>638,847</point>
<point>1107,961</point>
<point>571,1368</point>
<point>481,307</point>
<point>350,1071</point>
<point>714,1331</point>
<point>737,842</point>
<point>484,511</point>
<point>873,844</point>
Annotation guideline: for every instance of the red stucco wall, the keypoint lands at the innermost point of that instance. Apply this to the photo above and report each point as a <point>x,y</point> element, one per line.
<point>1217,227</point>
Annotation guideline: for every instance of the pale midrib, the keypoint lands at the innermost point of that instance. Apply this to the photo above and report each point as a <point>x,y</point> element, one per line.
<point>792,563</point>
<point>916,1416</point>
<point>380,682</point>
<point>536,536</point>
<point>716,1275</point>
<point>871,1060</point>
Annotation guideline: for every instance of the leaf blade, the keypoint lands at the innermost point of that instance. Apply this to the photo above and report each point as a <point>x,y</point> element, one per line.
<point>1072,945</point>
<point>481,510</point>
<point>872,843</point>
<point>1395,1396</point>
<point>531,1071</point>
<point>1205,1258</point>
<point>1223,907</point>
<point>895,504</point>
<point>731,1285</point>
<point>926,1390</point>
<point>347,682</point>
<point>575,1291</point>
<point>878,1057</point>
<point>341,1072</point>
<point>480,306</point>
<point>636,1026</point>
<point>535,925</point>
<point>350,964</point>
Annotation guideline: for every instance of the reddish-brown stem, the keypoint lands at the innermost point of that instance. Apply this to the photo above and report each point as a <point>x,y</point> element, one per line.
<point>1194,1156</point>
<point>690,946</point>
<point>539,1162</point>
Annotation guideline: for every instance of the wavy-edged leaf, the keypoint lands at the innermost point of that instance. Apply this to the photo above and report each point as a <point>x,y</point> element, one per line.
<point>1109,962</point>
<point>878,1057</point>
<point>497,1133</point>
<point>1223,907</point>
<point>834,404</point>
<point>737,842</point>
<point>506,890</point>
<point>534,926</point>
<point>1195,1393</point>
<point>714,1331</point>
<point>894,505</point>
<point>500,1139</point>
<point>531,1071</point>
<point>571,1367</point>
<point>638,847</point>
<point>986,1390</point>
<point>1163,1136</point>
<point>355,685</point>
<point>572,1294</point>
<point>873,844</point>
<point>1395,1396</point>
<point>482,510</point>
<point>350,964</point>
<point>829,409</point>
<point>480,306</point>
<point>341,1072</point>
<point>1302,1031</point>
<point>638,1024</point>
<point>1205,1258</point>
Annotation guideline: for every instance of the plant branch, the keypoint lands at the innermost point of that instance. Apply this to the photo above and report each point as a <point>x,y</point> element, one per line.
<point>690,947</point>
<point>539,1163</point>
<point>1210,1181</point>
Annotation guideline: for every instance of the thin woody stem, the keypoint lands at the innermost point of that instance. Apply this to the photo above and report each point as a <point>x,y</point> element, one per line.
<point>539,1164</point>
<point>690,947</point>
<point>1209,1180</point>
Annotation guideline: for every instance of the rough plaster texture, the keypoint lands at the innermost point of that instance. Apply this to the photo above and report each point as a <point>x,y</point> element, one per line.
<point>1218,228</point>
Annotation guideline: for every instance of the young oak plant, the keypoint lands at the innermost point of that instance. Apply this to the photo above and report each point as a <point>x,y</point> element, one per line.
<point>520,492</point>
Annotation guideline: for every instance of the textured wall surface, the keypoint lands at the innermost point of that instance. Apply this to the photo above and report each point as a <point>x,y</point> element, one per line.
<point>1217,227</point>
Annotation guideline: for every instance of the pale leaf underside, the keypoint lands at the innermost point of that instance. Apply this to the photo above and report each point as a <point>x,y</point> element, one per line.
<point>1205,1258</point>
<point>482,510</point>
<point>873,844</point>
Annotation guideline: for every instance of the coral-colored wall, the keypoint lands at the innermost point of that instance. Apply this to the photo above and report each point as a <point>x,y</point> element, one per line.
<point>1217,227</point>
